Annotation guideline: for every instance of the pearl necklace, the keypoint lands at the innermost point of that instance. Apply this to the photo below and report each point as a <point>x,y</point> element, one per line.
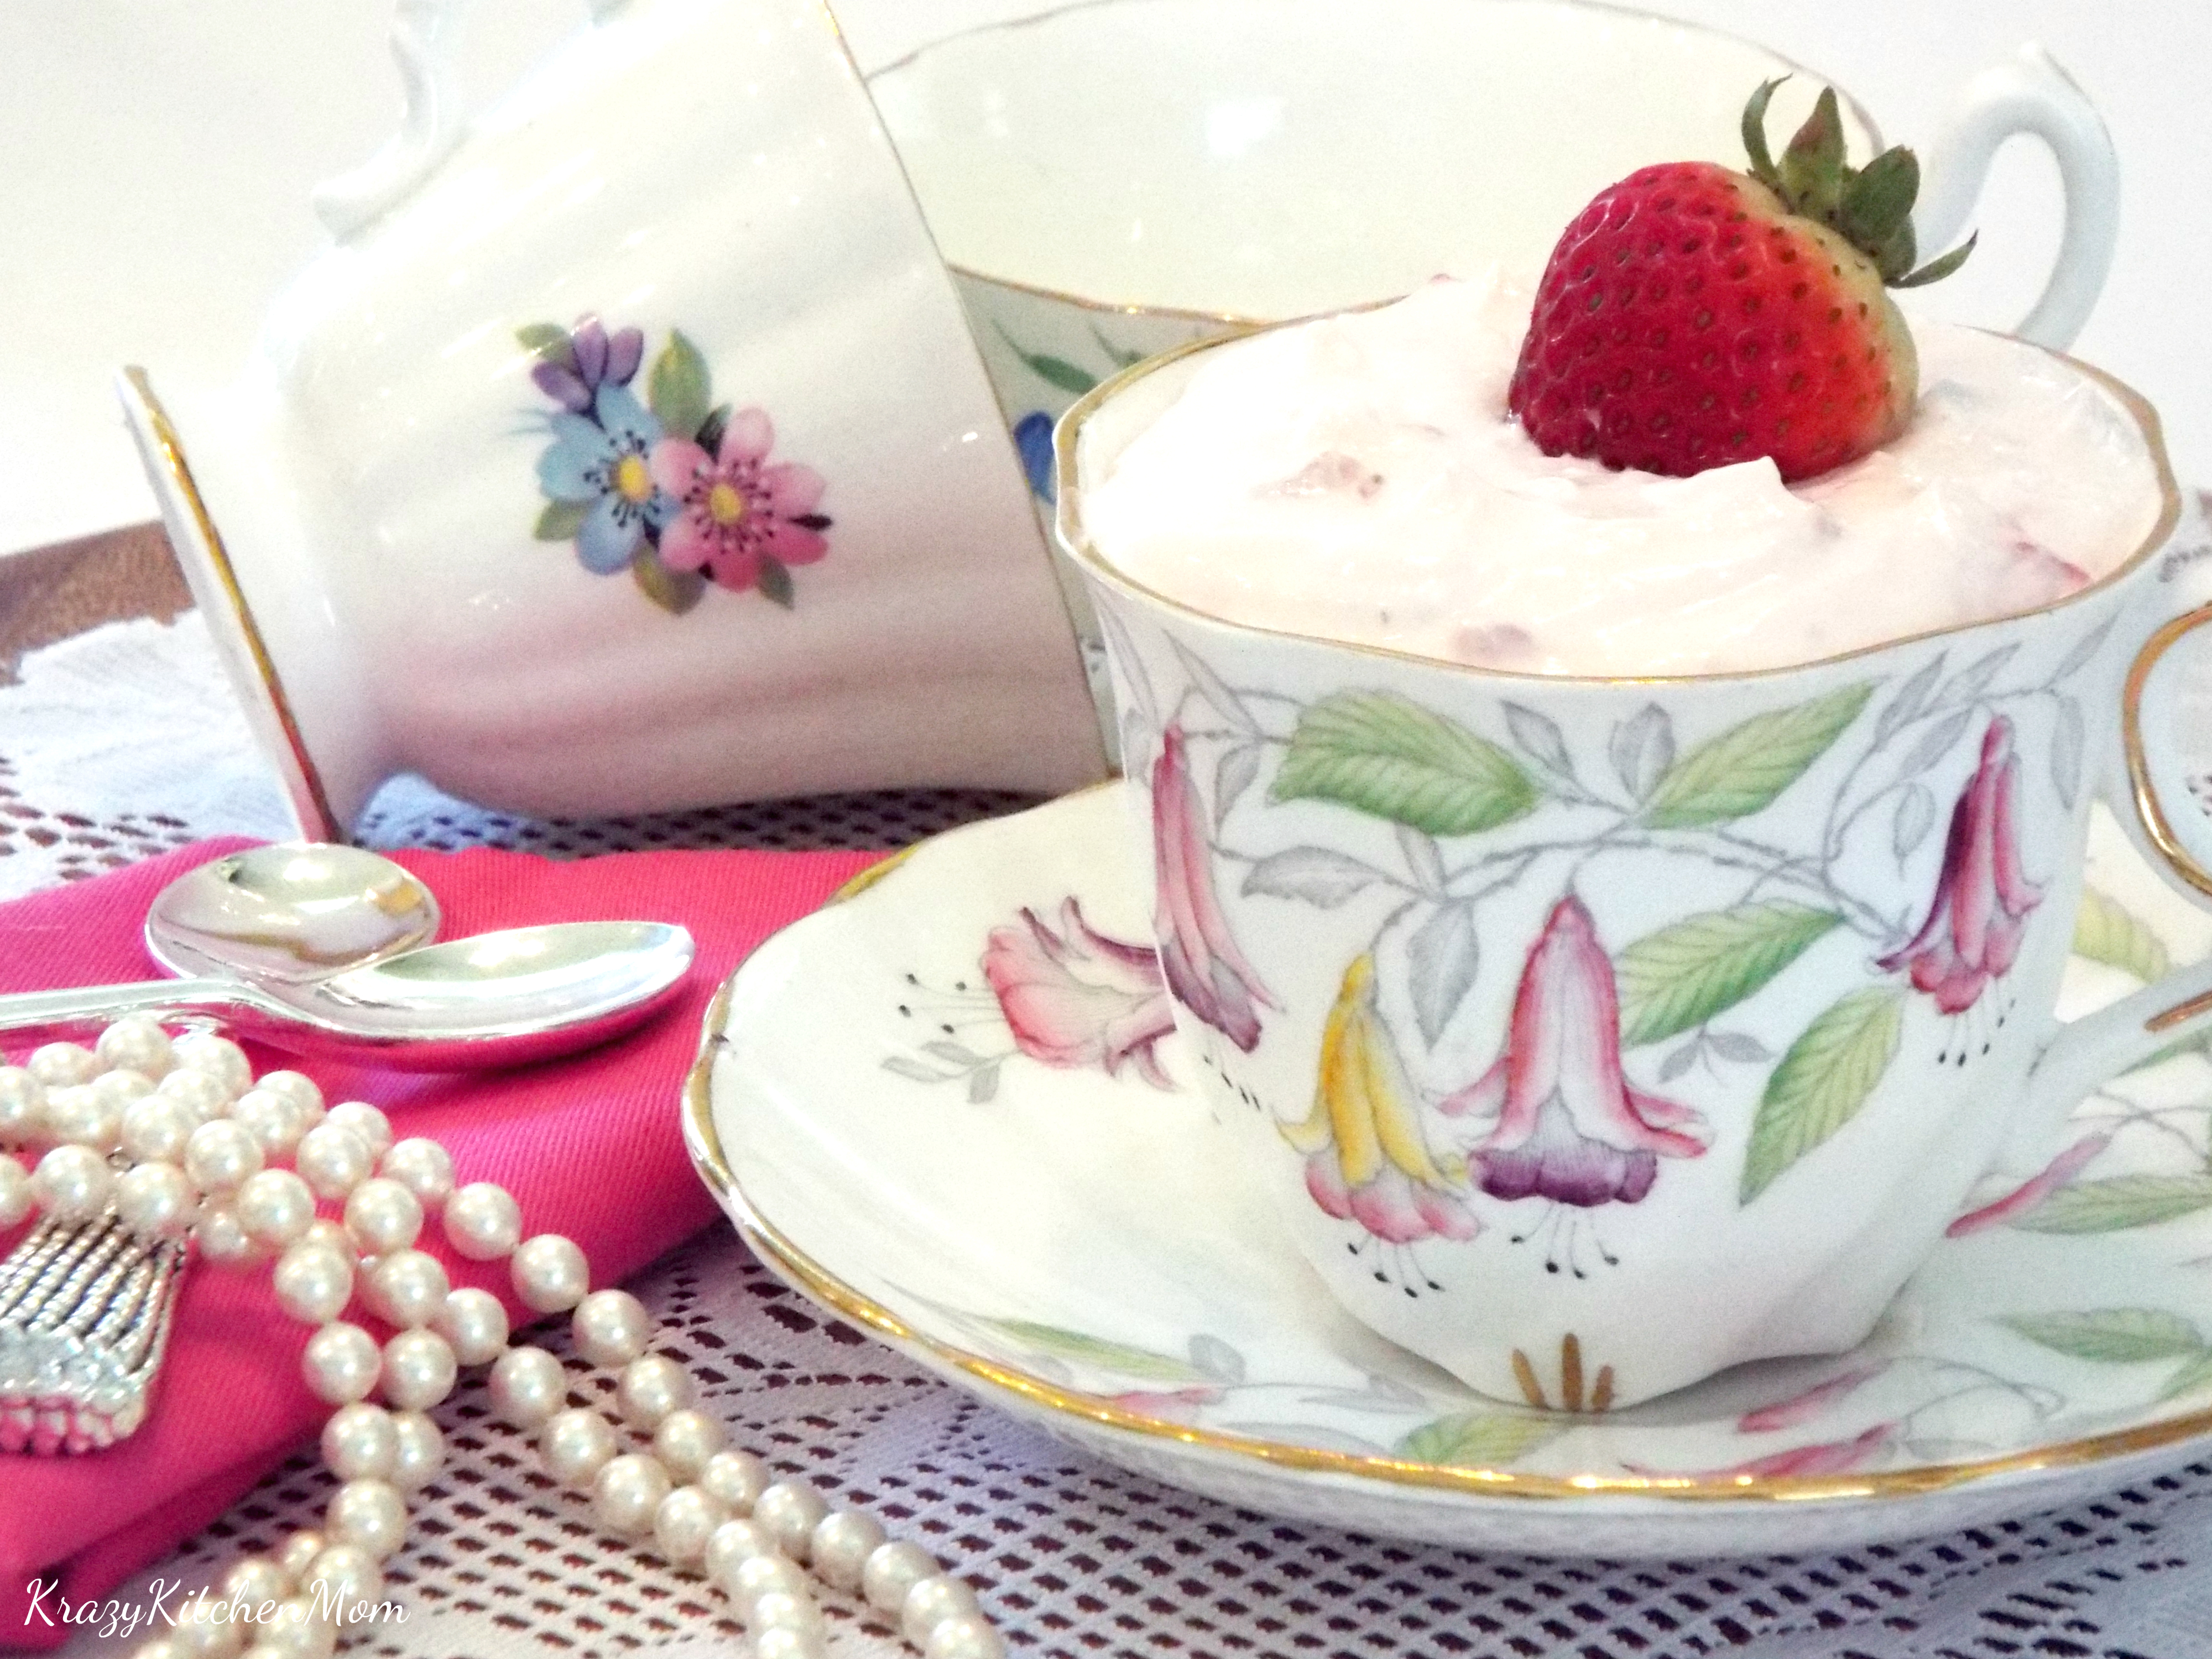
<point>177,1140</point>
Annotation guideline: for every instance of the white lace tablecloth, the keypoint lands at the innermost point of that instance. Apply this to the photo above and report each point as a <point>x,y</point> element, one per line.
<point>125,741</point>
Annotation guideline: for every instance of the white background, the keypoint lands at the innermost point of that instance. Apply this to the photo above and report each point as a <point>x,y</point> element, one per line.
<point>155,157</point>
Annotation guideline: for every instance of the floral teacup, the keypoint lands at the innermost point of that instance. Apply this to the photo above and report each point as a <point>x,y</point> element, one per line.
<point>1121,177</point>
<point>1597,1034</point>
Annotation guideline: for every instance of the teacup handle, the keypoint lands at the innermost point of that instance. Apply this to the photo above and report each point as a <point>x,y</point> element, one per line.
<point>2030,94</point>
<point>2087,1052</point>
<point>431,117</point>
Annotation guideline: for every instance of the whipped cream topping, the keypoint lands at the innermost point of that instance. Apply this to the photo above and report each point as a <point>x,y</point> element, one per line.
<point>1359,478</point>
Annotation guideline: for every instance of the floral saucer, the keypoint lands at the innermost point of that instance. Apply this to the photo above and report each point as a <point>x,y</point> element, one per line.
<point>948,1109</point>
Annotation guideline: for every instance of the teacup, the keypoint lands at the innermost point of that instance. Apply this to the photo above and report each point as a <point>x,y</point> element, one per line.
<point>1118,178</point>
<point>627,452</point>
<point>1597,1034</point>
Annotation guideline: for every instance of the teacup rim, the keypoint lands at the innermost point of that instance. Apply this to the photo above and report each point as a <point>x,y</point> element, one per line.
<point>1067,531</point>
<point>1790,65</point>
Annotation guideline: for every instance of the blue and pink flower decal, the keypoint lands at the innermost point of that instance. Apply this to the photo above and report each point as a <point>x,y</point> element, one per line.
<point>672,488</point>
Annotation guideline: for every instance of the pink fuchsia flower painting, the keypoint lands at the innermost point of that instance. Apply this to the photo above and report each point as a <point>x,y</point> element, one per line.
<point>735,510</point>
<point>1565,1124</point>
<point>1073,997</point>
<point>1205,969</point>
<point>1983,899</point>
<point>1367,1157</point>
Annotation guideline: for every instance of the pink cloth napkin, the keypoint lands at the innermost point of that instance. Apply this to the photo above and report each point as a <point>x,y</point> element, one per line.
<point>591,1146</point>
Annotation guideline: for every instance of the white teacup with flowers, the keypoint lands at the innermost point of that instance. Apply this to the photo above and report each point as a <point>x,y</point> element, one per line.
<point>1599,1030</point>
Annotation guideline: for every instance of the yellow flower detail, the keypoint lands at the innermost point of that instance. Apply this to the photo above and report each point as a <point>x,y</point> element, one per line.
<point>1367,1157</point>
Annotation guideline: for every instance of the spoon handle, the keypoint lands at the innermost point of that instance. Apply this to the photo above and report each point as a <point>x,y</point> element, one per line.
<point>56,1016</point>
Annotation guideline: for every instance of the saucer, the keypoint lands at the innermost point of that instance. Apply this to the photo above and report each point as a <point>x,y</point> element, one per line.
<point>1078,1248</point>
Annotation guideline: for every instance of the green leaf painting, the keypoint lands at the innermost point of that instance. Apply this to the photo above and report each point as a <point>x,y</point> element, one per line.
<point>679,389</point>
<point>1479,1440</point>
<point>1096,1352</point>
<point>2119,1336</point>
<point>549,343</point>
<point>1052,371</point>
<point>1743,770</point>
<point>1383,754</point>
<point>1680,976</point>
<point>2113,1206</point>
<point>2105,931</point>
<point>2196,1374</point>
<point>775,581</point>
<point>561,521</point>
<point>1821,1083</point>
<point>674,590</point>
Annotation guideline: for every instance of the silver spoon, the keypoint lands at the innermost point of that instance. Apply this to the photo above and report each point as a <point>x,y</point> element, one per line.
<point>294,912</point>
<point>501,999</point>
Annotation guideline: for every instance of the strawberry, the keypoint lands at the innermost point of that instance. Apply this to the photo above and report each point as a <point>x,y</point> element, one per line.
<point>1691,317</point>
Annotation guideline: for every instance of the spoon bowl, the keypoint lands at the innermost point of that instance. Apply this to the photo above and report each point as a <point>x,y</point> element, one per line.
<point>289,914</point>
<point>503,999</point>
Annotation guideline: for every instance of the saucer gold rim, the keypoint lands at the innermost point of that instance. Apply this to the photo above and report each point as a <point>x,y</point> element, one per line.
<point>789,1262</point>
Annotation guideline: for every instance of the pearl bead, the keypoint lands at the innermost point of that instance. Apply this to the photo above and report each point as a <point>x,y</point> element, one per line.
<point>737,1478</point>
<point>83,1117</point>
<point>300,1630</point>
<point>892,1570</point>
<point>268,1118</point>
<point>342,1363</point>
<point>218,1155</point>
<point>527,1387</point>
<point>63,1065</point>
<point>423,1167</point>
<point>17,1193</point>
<point>313,1283</point>
<point>156,1201</point>
<point>218,1057</point>
<point>136,1042</point>
<point>763,1575</point>
<point>474,1324</point>
<point>330,1237</point>
<point>223,1240</point>
<point>790,1509</point>
<point>365,1120</point>
<point>345,1572</point>
<point>729,1546</point>
<point>422,1451</point>
<point>409,1288</point>
<point>419,1370</point>
<point>684,1441</point>
<point>22,1106</point>
<point>121,1088</point>
<point>383,1215</point>
<point>550,1274</point>
<point>195,1092</point>
<point>790,1642</point>
<point>844,1540</point>
<point>333,1160</point>
<point>626,1493</point>
<point>255,1579</point>
<point>297,1090</point>
<point>274,1206</point>
<point>482,1221</point>
<point>72,1184</point>
<point>681,1525</point>
<point>610,1327</point>
<point>650,1387</point>
<point>778,1613</point>
<point>360,1443</point>
<point>576,1445</point>
<point>206,1630</point>
<point>370,1515</point>
<point>932,1602</point>
<point>967,1635</point>
<point>296,1553</point>
<point>157,1128</point>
